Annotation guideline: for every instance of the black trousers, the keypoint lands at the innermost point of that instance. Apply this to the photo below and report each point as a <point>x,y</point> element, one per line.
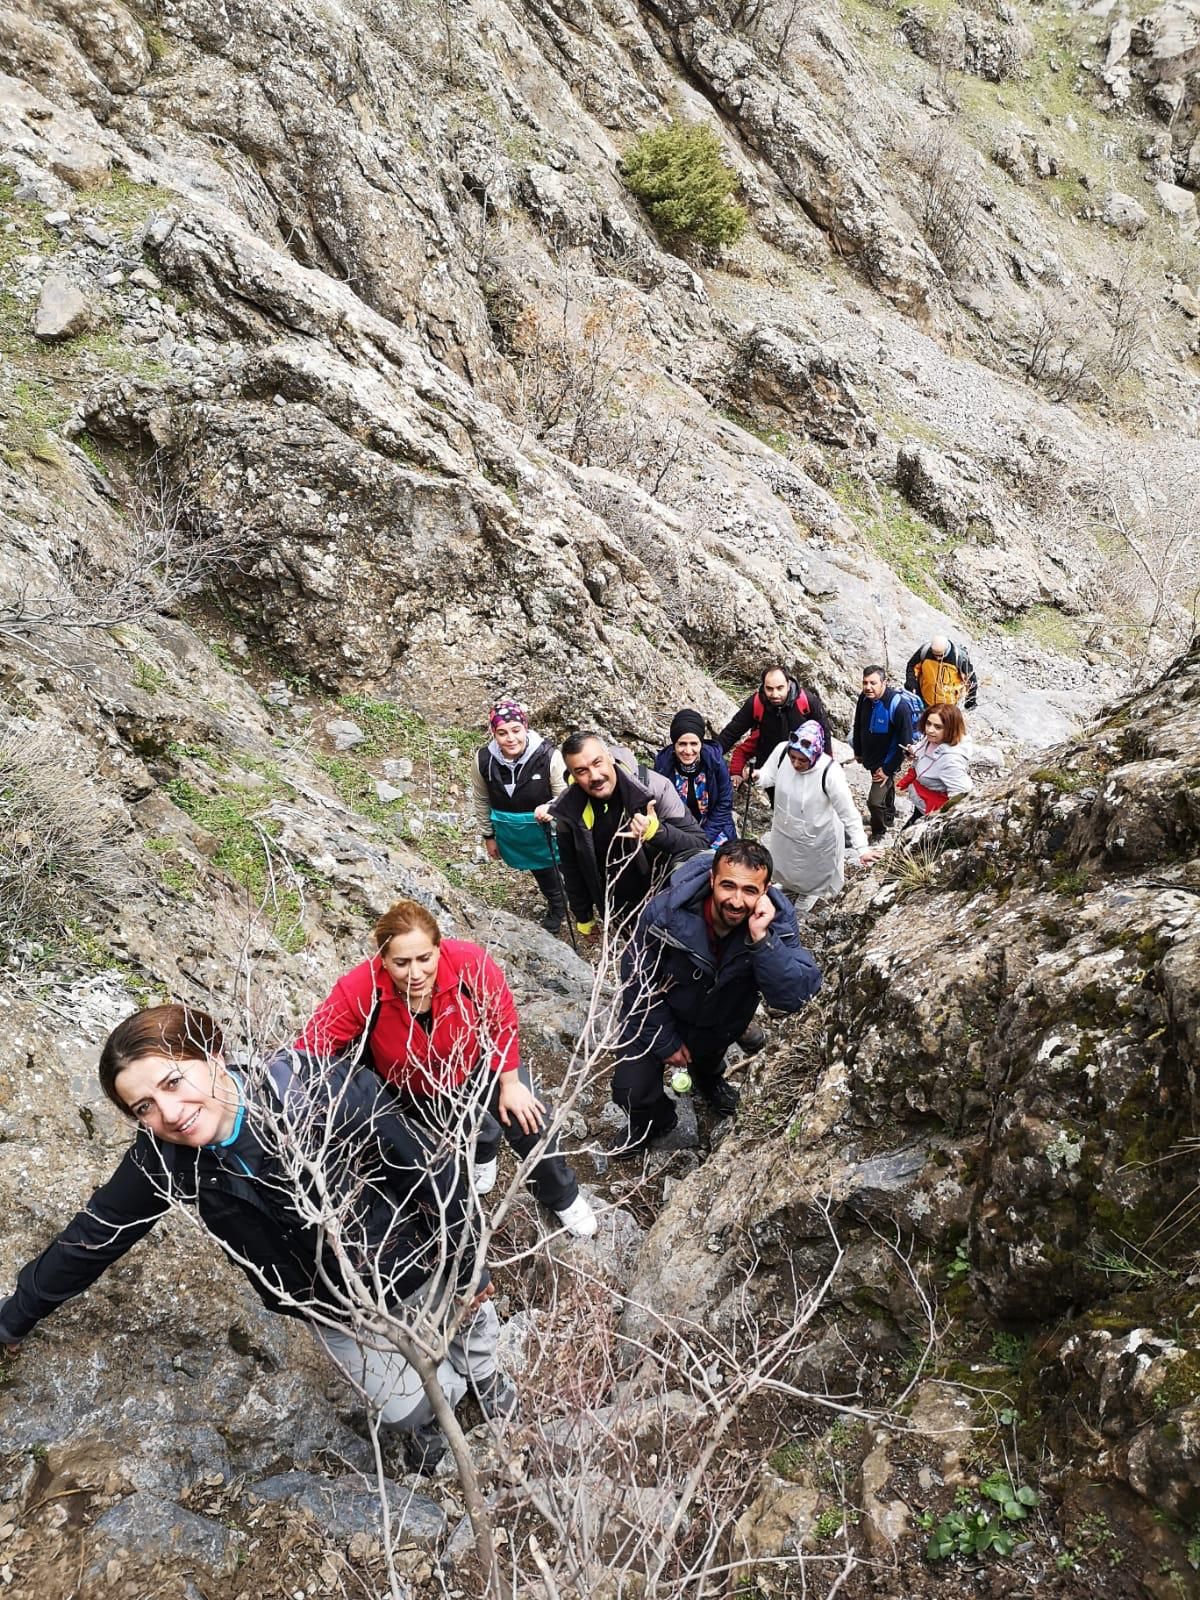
<point>547,881</point>
<point>551,1180</point>
<point>637,1085</point>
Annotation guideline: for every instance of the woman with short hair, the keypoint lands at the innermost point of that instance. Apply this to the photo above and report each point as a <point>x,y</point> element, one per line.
<point>436,1018</point>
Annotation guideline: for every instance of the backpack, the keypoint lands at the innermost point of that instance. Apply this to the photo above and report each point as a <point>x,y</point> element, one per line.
<point>916,706</point>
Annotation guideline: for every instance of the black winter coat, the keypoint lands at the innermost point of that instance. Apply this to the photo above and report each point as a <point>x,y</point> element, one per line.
<point>410,1218</point>
<point>672,988</point>
<point>637,870</point>
<point>775,722</point>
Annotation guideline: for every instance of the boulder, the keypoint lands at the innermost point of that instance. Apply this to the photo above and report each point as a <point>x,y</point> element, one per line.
<point>151,1530</point>
<point>1178,204</point>
<point>1124,213</point>
<point>63,310</point>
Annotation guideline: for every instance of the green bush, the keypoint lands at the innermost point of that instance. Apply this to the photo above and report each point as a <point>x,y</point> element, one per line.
<point>677,173</point>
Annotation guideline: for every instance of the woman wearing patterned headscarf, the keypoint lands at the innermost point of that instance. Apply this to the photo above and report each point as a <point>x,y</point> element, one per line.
<point>814,814</point>
<point>514,773</point>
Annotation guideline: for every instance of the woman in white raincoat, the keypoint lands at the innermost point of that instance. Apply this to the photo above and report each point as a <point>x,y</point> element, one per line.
<point>814,813</point>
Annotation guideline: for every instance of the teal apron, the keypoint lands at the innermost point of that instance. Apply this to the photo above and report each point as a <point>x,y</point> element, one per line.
<point>523,842</point>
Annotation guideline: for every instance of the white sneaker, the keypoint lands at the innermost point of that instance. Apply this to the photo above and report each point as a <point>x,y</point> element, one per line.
<point>485,1175</point>
<point>578,1219</point>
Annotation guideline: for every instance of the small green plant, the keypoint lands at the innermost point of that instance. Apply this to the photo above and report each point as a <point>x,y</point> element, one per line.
<point>830,1523</point>
<point>960,1266</point>
<point>974,1528</point>
<point>789,1460</point>
<point>1066,1560</point>
<point>1009,1350</point>
<point>147,676</point>
<point>1072,882</point>
<point>676,171</point>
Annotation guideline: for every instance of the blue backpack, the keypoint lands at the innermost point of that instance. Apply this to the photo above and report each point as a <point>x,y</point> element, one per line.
<point>916,706</point>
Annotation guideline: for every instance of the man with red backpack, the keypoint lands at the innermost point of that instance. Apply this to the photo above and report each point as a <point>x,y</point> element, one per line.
<point>769,718</point>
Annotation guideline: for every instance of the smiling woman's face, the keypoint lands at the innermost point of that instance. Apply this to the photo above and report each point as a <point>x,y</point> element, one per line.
<point>184,1102</point>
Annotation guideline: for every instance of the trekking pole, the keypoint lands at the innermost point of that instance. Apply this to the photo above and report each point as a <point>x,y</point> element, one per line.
<point>562,888</point>
<point>747,784</point>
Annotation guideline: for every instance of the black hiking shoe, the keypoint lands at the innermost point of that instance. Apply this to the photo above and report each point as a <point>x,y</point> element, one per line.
<point>552,920</point>
<point>497,1397</point>
<point>423,1448</point>
<point>752,1040</point>
<point>629,1146</point>
<point>721,1096</point>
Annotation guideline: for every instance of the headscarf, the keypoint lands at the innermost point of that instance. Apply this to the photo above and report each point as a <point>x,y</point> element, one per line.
<point>809,740</point>
<point>507,709</point>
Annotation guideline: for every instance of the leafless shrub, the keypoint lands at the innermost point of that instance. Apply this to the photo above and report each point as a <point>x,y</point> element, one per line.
<point>626,1473</point>
<point>948,198</point>
<point>167,556</point>
<point>1128,324</point>
<point>1062,354</point>
<point>55,838</point>
<point>1145,516</point>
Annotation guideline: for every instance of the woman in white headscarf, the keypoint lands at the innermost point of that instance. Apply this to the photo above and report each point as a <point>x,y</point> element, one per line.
<point>814,814</point>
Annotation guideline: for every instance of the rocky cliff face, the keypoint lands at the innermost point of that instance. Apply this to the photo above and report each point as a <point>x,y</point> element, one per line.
<point>1003,1118</point>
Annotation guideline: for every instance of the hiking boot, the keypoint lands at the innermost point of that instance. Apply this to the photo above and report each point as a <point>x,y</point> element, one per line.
<point>422,1448</point>
<point>721,1096</point>
<point>752,1040</point>
<point>578,1218</point>
<point>485,1174</point>
<point>497,1397</point>
<point>628,1146</point>
<point>552,920</point>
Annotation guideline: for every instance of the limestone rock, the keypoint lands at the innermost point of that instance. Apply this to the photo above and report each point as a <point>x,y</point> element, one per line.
<point>346,735</point>
<point>1180,205</point>
<point>347,1505</point>
<point>63,310</point>
<point>778,1520</point>
<point>153,1530</point>
<point>1124,213</point>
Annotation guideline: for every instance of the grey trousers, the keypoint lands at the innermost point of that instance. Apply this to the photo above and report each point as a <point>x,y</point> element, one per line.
<point>392,1388</point>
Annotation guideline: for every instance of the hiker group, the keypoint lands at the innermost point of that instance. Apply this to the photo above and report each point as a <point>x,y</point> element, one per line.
<point>363,1150</point>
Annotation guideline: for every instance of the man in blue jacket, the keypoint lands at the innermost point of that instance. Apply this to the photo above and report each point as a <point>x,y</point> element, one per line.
<point>706,949</point>
<point>882,729</point>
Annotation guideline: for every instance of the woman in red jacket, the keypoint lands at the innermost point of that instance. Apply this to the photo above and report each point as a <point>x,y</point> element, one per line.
<point>437,1017</point>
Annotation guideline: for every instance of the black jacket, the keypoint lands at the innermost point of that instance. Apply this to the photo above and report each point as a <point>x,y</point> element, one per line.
<point>774,723</point>
<point>409,1217</point>
<point>672,988</point>
<point>635,870</point>
<point>881,729</point>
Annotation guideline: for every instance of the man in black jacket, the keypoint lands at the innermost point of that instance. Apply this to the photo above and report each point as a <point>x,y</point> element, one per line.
<point>769,718</point>
<point>882,729</point>
<point>621,829</point>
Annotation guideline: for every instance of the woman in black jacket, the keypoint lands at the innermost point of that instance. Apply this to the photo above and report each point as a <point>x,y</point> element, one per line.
<point>236,1146</point>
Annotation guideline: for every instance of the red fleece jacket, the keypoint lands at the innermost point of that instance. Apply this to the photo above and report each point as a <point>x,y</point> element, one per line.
<point>474,1020</point>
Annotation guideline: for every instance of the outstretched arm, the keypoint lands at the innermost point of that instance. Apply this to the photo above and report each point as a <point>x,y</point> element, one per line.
<point>740,723</point>
<point>120,1212</point>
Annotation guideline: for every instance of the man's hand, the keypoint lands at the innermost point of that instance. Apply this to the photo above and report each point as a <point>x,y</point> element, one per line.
<point>869,858</point>
<point>761,919</point>
<point>519,1102</point>
<point>640,825</point>
<point>492,848</point>
<point>542,813</point>
<point>879,776</point>
<point>737,779</point>
<point>678,1058</point>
